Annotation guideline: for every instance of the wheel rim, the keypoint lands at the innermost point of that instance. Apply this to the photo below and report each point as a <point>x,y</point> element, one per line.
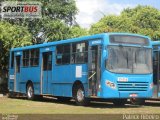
<point>30,91</point>
<point>80,95</point>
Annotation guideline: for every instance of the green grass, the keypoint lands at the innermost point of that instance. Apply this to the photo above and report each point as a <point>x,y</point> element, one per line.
<point>52,106</point>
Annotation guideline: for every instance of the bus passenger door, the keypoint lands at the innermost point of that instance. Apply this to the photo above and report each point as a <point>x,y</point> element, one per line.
<point>46,71</point>
<point>17,73</point>
<point>156,73</point>
<point>94,69</point>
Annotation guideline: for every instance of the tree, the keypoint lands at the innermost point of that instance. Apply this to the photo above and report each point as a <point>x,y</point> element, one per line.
<point>58,30</point>
<point>59,11</point>
<point>106,24</point>
<point>77,31</point>
<point>142,20</point>
<point>11,36</point>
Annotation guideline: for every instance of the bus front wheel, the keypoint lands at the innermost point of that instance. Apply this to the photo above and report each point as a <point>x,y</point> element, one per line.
<point>30,92</point>
<point>79,96</point>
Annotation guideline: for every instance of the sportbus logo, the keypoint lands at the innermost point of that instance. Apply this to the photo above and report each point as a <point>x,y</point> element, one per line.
<point>19,9</point>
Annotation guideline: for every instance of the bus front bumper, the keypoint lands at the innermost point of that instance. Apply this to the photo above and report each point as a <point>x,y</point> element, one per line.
<point>127,94</point>
<point>135,94</point>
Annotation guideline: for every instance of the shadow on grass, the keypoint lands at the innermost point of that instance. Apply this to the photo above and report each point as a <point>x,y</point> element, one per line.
<point>92,104</point>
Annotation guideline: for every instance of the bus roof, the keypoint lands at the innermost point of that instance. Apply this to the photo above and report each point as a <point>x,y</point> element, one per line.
<point>156,42</point>
<point>96,36</point>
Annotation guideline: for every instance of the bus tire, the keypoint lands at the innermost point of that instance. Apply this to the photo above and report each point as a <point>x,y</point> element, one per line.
<point>79,95</point>
<point>30,92</point>
<point>119,102</point>
<point>137,101</point>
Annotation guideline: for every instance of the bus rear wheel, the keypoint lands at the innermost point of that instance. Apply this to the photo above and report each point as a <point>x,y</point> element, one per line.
<point>79,96</point>
<point>119,102</point>
<point>30,92</point>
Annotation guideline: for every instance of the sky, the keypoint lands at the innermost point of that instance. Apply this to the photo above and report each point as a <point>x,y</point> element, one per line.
<point>91,11</point>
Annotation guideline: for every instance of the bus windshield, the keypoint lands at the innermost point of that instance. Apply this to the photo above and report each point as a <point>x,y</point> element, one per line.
<point>131,60</point>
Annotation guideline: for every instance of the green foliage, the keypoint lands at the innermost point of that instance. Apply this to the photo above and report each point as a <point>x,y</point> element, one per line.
<point>56,30</point>
<point>142,20</point>
<point>11,36</point>
<point>59,9</point>
<point>106,24</point>
<point>77,31</point>
<point>58,12</point>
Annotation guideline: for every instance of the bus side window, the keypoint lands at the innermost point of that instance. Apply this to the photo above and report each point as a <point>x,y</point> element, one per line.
<point>12,59</point>
<point>26,58</point>
<point>63,54</point>
<point>79,52</point>
<point>59,54</point>
<point>47,61</point>
<point>75,53</point>
<point>155,59</point>
<point>66,54</point>
<point>50,61</point>
<point>34,60</point>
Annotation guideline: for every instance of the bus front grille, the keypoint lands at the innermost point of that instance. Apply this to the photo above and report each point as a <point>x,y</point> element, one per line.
<point>132,86</point>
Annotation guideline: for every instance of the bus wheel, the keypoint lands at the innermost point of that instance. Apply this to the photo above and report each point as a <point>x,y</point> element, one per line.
<point>119,102</point>
<point>136,101</point>
<point>79,96</point>
<point>30,92</point>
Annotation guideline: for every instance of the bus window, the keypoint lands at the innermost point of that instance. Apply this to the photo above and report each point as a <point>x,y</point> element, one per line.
<point>79,53</point>
<point>47,61</point>
<point>63,54</point>
<point>156,60</point>
<point>59,54</point>
<point>155,56</point>
<point>34,57</point>
<point>18,59</point>
<point>129,60</point>
<point>66,54</point>
<point>26,58</point>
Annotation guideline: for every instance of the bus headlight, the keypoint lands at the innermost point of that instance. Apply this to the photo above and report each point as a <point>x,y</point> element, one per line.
<point>110,84</point>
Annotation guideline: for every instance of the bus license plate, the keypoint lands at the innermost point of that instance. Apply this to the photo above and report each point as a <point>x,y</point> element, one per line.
<point>133,95</point>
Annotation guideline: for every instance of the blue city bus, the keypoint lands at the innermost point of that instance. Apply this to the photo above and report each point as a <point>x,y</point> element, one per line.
<point>108,66</point>
<point>156,69</point>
